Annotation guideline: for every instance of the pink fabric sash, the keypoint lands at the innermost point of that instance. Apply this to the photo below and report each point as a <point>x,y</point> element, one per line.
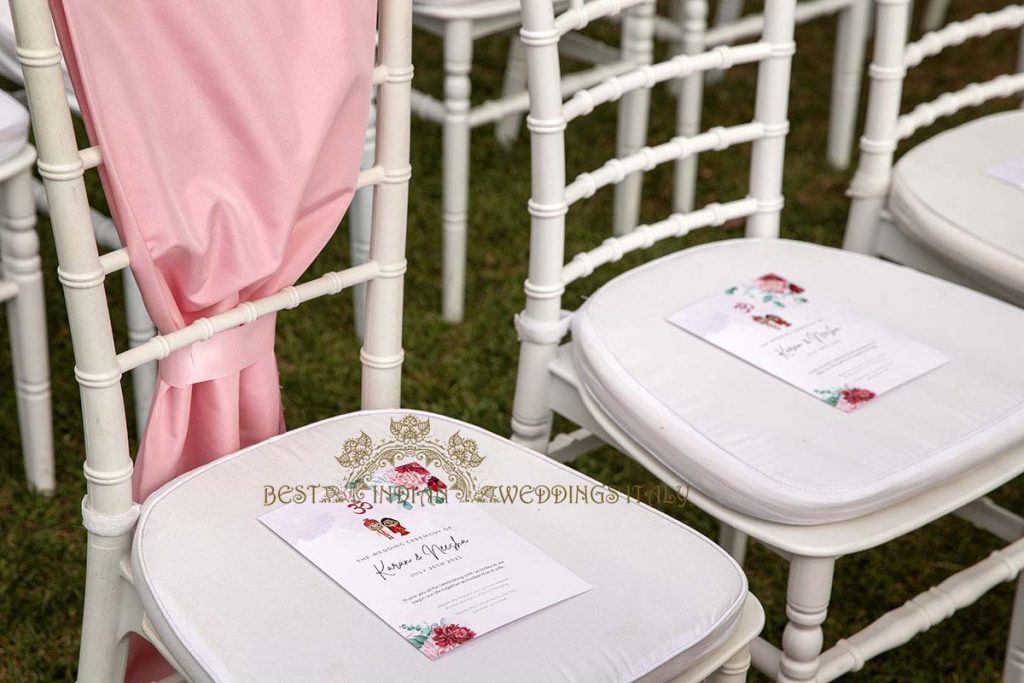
<point>231,134</point>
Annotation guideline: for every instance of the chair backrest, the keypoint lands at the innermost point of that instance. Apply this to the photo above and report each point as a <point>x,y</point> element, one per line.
<point>98,365</point>
<point>542,324</point>
<point>885,126</point>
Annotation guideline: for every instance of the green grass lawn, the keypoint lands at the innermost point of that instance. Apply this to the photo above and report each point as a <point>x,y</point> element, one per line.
<point>467,371</point>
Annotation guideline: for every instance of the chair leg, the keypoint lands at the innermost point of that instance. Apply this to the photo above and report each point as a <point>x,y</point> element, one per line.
<point>733,671</point>
<point>140,330</point>
<point>847,72</point>
<point>688,112</point>
<point>458,56</point>
<point>634,108</point>
<point>19,244</point>
<point>934,14</point>
<point>360,218</point>
<point>507,128</point>
<point>103,649</point>
<point>726,12</point>
<point>733,541</point>
<point>807,598</point>
<point>1013,665</point>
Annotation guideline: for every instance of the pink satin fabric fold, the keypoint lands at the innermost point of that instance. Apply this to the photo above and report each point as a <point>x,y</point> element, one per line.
<point>231,134</point>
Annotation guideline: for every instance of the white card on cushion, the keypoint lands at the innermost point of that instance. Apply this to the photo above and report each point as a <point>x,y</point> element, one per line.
<point>841,358</point>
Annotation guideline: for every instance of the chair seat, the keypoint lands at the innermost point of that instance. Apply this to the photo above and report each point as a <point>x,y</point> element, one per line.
<point>664,596</point>
<point>764,448</point>
<point>13,127</point>
<point>942,197</point>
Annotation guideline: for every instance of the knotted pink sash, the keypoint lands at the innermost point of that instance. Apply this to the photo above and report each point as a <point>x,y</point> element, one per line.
<point>231,134</point>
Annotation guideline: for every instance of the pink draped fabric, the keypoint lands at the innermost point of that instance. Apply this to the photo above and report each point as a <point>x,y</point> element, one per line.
<point>231,134</point>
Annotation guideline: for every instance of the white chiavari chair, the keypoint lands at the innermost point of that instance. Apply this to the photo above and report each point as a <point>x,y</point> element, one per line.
<point>21,287</point>
<point>692,36</point>
<point>140,327</point>
<point>189,575</point>
<point>767,461</point>
<point>937,208</point>
<point>460,23</point>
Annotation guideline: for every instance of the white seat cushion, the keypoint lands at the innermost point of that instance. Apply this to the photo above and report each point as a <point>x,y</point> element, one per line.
<point>235,603</point>
<point>943,197</point>
<point>764,448</point>
<point>13,127</point>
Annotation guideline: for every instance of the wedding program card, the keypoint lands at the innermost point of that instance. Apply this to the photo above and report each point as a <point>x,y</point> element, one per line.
<point>440,574</point>
<point>1010,172</point>
<point>817,346</point>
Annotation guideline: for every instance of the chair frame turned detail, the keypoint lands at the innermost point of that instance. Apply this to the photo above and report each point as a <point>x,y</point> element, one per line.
<point>21,287</point>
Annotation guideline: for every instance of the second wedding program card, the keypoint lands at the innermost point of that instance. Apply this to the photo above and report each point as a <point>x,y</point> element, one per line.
<point>441,575</point>
<point>809,342</point>
<point>1010,172</point>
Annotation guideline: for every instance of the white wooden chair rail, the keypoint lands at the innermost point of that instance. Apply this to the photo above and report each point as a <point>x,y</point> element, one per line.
<point>647,76</point>
<point>917,615</point>
<point>748,26</point>
<point>947,104</point>
<point>615,170</point>
<point>493,110</point>
<point>248,312</point>
<point>581,15</point>
<point>646,236</point>
<point>959,32</point>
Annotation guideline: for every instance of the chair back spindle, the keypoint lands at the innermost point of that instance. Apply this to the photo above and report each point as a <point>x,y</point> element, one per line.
<point>542,324</point>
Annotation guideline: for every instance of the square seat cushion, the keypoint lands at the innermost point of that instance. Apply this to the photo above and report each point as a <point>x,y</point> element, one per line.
<point>764,448</point>
<point>13,127</point>
<point>943,197</point>
<point>233,602</point>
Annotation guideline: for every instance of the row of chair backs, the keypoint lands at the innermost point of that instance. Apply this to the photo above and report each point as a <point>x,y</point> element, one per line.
<point>886,126</point>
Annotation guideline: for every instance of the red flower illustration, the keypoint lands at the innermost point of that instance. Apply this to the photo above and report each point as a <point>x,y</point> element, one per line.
<point>795,288</point>
<point>772,283</point>
<point>436,484</point>
<point>451,635</point>
<point>857,396</point>
<point>413,467</point>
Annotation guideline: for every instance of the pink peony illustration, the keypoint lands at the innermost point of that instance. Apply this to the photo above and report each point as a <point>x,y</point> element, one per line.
<point>851,399</point>
<point>772,283</point>
<point>857,395</point>
<point>431,650</point>
<point>409,480</point>
<point>452,635</point>
<point>413,467</point>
